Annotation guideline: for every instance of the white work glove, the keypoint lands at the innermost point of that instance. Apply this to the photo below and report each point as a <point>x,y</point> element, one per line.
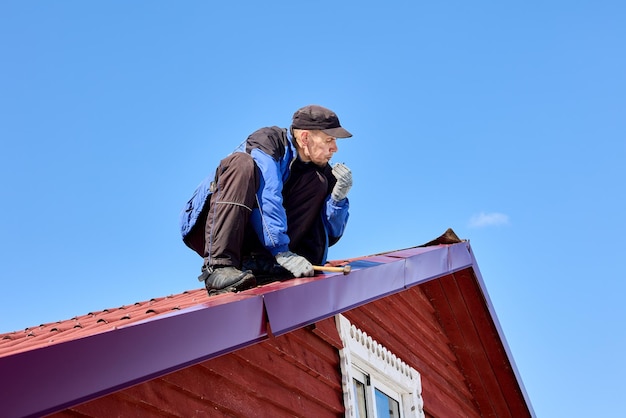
<point>344,181</point>
<point>296,264</point>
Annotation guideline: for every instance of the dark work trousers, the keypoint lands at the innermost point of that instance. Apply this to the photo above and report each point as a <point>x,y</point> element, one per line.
<point>229,234</point>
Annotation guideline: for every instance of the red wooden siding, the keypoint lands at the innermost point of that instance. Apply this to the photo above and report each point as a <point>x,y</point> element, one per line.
<point>405,323</point>
<point>461,309</point>
<point>293,375</point>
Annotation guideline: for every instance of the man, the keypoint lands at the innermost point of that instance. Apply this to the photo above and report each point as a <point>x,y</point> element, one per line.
<point>274,206</point>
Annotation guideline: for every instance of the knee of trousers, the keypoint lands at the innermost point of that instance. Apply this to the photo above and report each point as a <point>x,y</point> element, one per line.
<point>239,167</point>
<point>243,161</point>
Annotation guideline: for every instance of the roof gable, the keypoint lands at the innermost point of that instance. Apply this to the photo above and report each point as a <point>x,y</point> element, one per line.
<point>129,345</point>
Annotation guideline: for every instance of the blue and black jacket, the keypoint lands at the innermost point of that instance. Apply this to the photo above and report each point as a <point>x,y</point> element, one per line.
<point>274,154</point>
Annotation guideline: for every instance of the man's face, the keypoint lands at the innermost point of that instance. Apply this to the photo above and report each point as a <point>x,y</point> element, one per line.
<point>319,148</point>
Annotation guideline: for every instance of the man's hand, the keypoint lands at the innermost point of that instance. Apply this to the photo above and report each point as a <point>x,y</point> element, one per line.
<point>344,181</point>
<point>296,264</point>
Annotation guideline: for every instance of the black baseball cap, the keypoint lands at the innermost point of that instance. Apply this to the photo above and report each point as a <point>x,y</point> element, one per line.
<point>314,117</point>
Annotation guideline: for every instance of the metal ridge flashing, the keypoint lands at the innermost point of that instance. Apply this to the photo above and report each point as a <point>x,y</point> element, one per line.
<point>49,379</point>
<point>293,307</point>
<point>445,259</point>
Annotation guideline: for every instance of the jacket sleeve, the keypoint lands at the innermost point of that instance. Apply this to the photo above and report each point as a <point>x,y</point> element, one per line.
<point>336,218</point>
<point>270,219</point>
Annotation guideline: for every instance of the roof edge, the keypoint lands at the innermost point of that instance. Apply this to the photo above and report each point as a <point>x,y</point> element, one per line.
<point>125,356</point>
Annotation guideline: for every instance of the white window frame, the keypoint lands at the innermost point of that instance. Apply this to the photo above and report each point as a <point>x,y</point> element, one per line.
<point>389,373</point>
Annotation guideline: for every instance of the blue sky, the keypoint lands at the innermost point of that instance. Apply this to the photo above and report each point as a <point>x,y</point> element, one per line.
<point>502,120</point>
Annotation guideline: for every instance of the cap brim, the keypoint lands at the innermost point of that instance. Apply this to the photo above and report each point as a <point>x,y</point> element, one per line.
<point>337,132</point>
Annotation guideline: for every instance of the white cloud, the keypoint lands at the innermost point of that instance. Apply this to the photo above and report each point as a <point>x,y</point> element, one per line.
<point>488,219</point>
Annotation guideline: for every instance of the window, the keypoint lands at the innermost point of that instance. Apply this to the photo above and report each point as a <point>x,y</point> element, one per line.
<point>376,383</point>
<point>370,393</point>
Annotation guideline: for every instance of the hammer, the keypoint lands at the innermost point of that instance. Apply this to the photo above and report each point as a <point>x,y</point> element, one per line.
<point>343,269</point>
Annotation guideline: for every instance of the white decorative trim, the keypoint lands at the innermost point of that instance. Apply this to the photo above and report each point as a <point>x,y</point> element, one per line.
<point>360,350</point>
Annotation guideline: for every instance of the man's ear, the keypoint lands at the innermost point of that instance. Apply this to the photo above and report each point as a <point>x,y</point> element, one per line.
<point>304,138</point>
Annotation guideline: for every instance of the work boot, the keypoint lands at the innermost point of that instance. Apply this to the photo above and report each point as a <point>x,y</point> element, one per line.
<point>220,279</point>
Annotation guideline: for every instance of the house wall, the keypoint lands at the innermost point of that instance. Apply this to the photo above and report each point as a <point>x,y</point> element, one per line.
<point>298,374</point>
<point>406,324</point>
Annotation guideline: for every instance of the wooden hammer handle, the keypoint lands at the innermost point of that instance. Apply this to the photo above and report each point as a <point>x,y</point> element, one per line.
<point>331,269</point>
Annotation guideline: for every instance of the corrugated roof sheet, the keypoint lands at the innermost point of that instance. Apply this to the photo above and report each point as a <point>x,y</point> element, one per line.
<point>95,322</point>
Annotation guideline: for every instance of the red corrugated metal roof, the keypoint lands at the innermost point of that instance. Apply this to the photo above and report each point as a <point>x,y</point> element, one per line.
<point>95,322</point>
<point>112,349</point>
